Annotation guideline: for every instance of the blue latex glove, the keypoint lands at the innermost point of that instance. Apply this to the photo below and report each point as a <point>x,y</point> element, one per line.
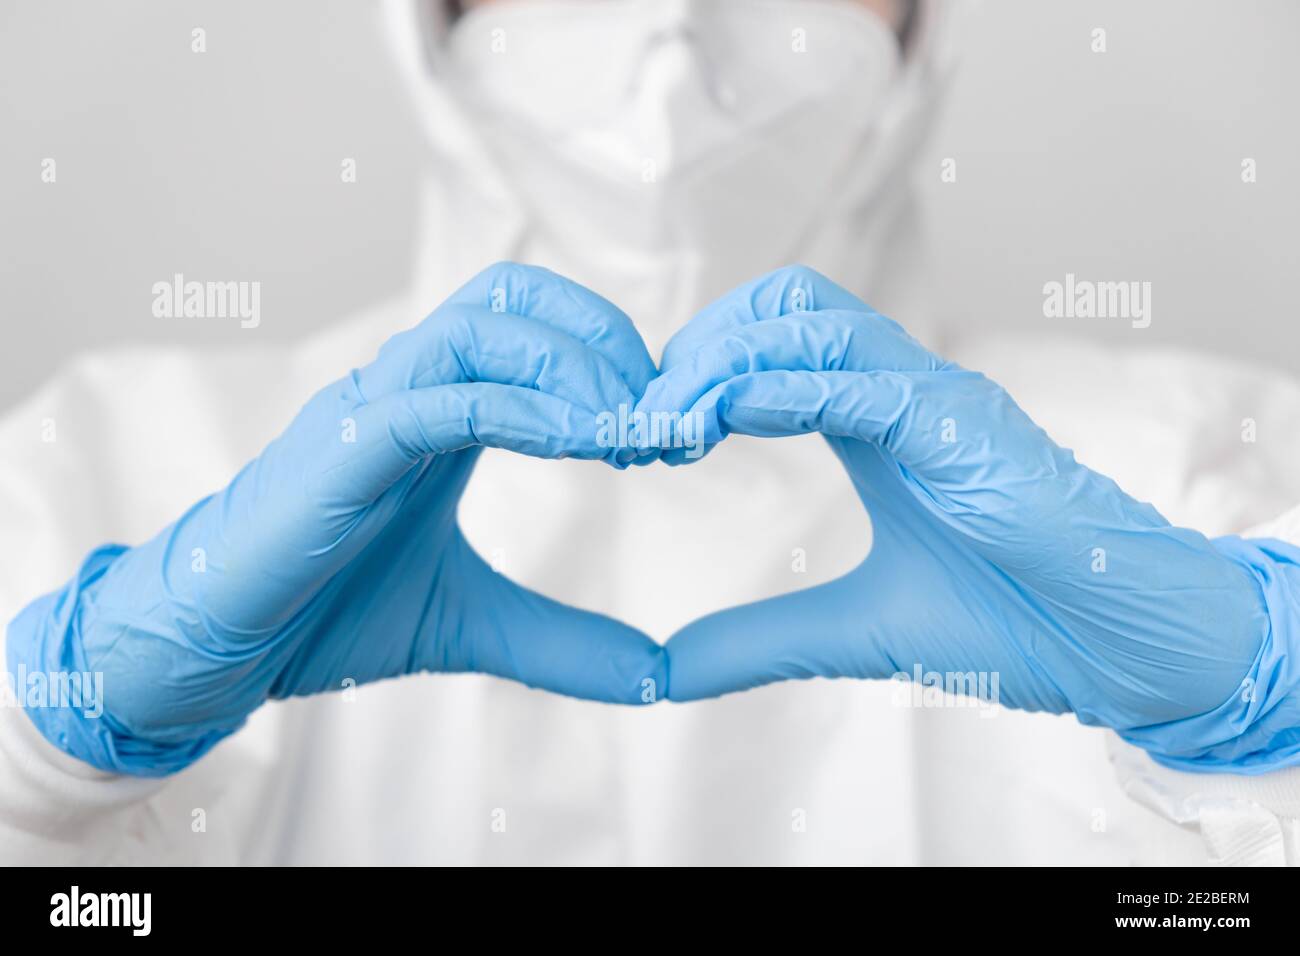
<point>328,559</point>
<point>988,543</point>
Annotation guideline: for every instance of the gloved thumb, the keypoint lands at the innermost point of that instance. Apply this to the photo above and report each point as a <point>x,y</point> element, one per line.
<point>521,635</point>
<point>794,636</point>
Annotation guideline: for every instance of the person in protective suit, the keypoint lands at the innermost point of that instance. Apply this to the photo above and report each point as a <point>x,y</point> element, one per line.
<point>706,197</point>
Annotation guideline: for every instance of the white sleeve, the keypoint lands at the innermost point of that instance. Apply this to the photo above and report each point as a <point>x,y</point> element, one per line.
<point>1241,820</point>
<point>56,809</point>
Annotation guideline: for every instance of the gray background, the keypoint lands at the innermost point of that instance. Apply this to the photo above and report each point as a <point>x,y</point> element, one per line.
<point>1124,165</point>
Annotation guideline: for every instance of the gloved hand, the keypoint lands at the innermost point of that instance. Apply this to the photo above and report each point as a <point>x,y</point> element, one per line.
<point>335,554</point>
<point>993,550</point>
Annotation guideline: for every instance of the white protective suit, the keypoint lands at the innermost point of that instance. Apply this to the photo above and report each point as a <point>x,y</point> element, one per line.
<point>443,769</point>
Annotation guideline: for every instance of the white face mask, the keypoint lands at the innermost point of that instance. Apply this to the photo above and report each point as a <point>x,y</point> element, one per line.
<point>674,147</point>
